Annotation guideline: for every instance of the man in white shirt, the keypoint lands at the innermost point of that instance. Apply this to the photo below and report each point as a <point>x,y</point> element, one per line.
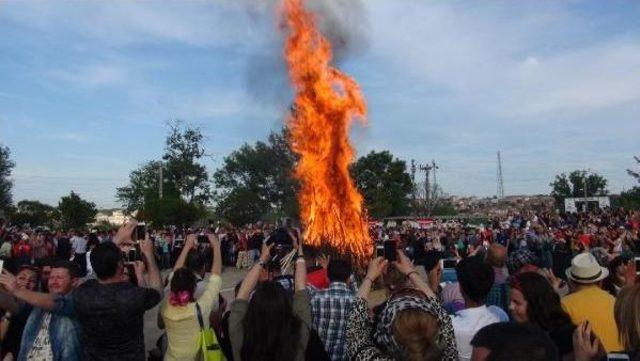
<point>79,251</point>
<point>475,278</point>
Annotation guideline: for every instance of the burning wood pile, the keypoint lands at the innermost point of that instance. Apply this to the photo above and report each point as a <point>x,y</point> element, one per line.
<point>326,102</point>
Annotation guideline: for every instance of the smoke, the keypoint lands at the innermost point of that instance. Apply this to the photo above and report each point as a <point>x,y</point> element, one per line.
<point>343,22</point>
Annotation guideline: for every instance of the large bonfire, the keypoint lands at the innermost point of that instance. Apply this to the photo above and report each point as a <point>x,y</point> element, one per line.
<point>326,102</point>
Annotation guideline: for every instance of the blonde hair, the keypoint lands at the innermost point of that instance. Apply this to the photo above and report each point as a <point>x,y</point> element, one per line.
<point>627,315</point>
<point>415,331</point>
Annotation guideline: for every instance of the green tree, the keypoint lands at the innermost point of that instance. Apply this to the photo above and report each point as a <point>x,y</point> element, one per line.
<point>185,187</point>
<point>256,181</point>
<point>35,214</point>
<point>241,206</point>
<point>144,187</point>
<point>76,212</point>
<point>630,199</point>
<point>384,183</point>
<point>172,210</point>
<point>574,184</point>
<point>183,152</point>
<point>6,165</point>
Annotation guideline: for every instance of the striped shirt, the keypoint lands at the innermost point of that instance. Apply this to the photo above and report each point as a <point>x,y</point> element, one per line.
<point>330,309</point>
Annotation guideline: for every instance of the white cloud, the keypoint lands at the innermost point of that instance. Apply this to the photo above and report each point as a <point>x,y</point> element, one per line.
<point>507,67</point>
<point>66,137</point>
<point>124,23</point>
<point>91,76</point>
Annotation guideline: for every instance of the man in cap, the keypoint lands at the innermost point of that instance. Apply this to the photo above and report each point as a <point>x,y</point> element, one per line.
<point>589,302</point>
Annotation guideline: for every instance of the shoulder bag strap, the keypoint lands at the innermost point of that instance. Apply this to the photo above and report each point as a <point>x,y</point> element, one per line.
<point>199,316</point>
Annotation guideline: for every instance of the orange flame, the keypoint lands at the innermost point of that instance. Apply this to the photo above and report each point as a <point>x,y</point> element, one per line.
<point>325,104</point>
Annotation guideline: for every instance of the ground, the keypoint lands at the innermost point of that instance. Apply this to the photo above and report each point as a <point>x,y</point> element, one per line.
<point>230,276</point>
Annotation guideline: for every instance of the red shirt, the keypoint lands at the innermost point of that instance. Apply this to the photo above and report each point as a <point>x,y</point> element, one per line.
<point>585,239</point>
<point>21,250</point>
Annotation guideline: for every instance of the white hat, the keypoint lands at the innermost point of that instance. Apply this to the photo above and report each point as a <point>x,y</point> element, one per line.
<point>585,269</point>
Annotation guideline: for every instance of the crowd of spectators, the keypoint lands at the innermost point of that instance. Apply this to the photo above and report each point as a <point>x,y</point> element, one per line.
<point>528,286</point>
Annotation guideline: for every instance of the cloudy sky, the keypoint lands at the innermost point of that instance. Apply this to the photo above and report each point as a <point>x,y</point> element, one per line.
<point>86,88</point>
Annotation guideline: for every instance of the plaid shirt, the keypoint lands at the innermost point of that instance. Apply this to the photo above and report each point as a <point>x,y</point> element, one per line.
<point>330,309</point>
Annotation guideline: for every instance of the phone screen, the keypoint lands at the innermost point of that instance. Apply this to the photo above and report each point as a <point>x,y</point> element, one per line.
<point>141,231</point>
<point>131,273</point>
<point>449,263</point>
<point>380,251</point>
<point>390,250</point>
<point>617,357</point>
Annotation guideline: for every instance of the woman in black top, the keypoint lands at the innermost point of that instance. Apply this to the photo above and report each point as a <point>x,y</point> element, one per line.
<point>534,300</point>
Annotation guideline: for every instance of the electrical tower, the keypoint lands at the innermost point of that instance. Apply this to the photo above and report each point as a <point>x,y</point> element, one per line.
<point>500,179</point>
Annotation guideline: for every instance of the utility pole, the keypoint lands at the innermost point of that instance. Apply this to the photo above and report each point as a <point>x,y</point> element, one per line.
<point>435,167</point>
<point>426,169</point>
<point>160,180</point>
<point>413,182</point>
<point>500,180</point>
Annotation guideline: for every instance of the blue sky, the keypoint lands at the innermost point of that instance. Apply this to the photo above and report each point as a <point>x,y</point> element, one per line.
<point>86,88</point>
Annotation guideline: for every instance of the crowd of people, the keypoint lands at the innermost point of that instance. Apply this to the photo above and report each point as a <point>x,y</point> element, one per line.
<point>526,286</point>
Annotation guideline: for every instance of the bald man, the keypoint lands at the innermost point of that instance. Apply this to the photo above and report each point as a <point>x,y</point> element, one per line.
<point>496,257</point>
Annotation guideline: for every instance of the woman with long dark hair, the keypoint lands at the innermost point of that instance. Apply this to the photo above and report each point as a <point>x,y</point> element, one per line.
<point>534,300</point>
<point>268,324</point>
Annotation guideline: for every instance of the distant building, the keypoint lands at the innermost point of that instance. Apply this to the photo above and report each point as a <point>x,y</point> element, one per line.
<point>575,204</point>
<point>114,217</point>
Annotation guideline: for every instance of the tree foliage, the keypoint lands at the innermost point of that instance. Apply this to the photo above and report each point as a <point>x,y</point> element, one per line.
<point>183,152</point>
<point>630,199</point>
<point>385,184</point>
<point>186,184</point>
<point>6,166</point>
<point>256,181</point>
<point>574,184</point>
<point>76,212</point>
<point>171,210</point>
<point>34,213</point>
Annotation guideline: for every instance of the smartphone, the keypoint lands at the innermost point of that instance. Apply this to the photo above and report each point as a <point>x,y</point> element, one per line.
<point>202,238</point>
<point>379,250</point>
<point>178,243</point>
<point>449,263</point>
<point>637,260</point>
<point>141,231</point>
<point>1,265</point>
<point>131,273</point>
<point>390,251</point>
<point>617,357</point>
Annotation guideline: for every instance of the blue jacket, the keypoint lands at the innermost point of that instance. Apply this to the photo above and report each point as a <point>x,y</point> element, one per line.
<point>64,333</point>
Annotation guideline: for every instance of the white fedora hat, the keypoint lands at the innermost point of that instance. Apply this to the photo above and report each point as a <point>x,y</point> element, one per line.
<point>585,269</point>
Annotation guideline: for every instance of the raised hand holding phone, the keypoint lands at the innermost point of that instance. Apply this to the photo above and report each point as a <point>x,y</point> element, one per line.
<point>125,232</point>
